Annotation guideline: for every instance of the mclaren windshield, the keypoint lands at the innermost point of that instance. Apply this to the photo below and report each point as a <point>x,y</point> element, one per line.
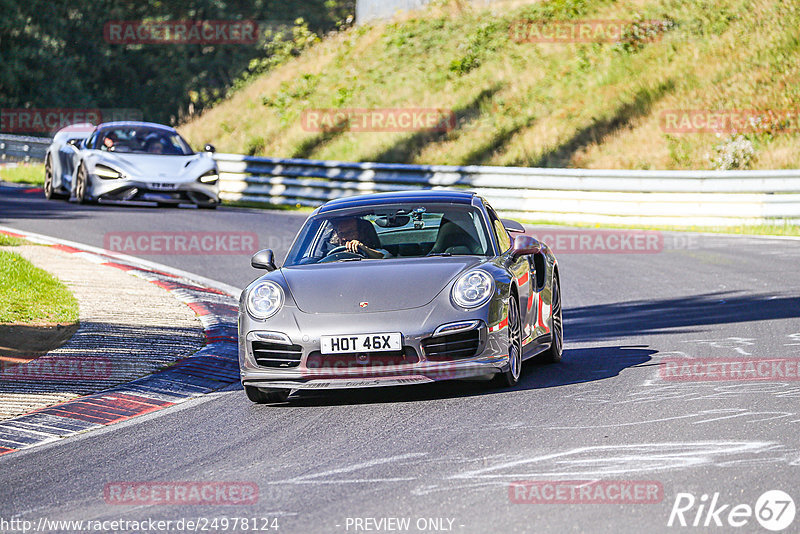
<point>140,140</point>
<point>392,231</point>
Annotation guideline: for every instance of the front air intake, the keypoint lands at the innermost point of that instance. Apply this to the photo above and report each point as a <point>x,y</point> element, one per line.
<point>276,355</point>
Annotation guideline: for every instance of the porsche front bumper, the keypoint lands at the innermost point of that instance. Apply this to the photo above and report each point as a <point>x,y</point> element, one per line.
<point>417,363</point>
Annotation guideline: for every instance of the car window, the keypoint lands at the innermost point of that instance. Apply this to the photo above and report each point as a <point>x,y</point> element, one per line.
<point>500,232</point>
<point>396,231</point>
<point>143,140</point>
<point>91,141</point>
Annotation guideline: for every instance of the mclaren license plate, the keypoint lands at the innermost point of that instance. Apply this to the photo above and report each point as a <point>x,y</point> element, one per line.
<point>362,343</point>
<point>160,186</point>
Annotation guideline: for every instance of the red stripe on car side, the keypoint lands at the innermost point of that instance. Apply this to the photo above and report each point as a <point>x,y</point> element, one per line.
<point>540,322</point>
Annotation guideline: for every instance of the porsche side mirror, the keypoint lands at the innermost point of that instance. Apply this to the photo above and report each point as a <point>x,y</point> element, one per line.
<point>524,245</point>
<point>75,142</point>
<point>512,226</point>
<point>209,148</point>
<point>264,259</point>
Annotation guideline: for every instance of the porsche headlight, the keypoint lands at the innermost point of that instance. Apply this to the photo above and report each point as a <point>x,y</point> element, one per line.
<point>264,300</point>
<point>210,178</point>
<point>473,289</point>
<point>106,173</point>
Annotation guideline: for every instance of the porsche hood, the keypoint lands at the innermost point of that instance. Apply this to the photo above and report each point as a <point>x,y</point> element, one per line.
<point>373,285</point>
<point>158,168</point>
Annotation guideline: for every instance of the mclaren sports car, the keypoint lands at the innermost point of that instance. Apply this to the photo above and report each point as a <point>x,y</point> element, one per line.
<point>136,161</point>
<point>398,289</point>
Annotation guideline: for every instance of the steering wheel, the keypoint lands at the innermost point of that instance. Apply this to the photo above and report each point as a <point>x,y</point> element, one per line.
<point>341,253</point>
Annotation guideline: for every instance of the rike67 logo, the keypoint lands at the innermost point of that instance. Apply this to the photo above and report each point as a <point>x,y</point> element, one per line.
<point>774,510</point>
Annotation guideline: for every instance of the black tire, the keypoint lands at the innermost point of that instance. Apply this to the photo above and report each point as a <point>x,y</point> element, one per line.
<point>209,206</point>
<point>510,378</point>
<point>167,204</point>
<point>259,396</point>
<point>48,178</point>
<point>554,353</point>
<point>49,192</point>
<point>81,184</point>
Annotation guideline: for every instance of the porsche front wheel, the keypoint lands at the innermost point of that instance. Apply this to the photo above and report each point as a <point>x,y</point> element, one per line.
<point>511,376</point>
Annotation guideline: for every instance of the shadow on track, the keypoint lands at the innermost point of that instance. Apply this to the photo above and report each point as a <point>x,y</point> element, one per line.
<point>675,316</point>
<point>19,203</point>
<point>577,366</point>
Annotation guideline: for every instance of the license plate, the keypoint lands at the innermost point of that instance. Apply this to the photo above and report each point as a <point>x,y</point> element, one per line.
<point>163,186</point>
<point>362,343</point>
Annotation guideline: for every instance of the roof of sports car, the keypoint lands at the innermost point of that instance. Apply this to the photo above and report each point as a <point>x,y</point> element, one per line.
<point>117,124</point>
<point>437,195</point>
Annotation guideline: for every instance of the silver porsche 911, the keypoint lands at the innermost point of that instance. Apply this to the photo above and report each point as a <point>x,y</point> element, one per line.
<point>396,289</point>
<point>138,161</point>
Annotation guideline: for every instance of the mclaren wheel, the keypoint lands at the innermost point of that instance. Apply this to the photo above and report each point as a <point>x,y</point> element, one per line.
<point>510,378</point>
<point>82,187</point>
<point>553,354</point>
<point>260,396</point>
<point>49,190</point>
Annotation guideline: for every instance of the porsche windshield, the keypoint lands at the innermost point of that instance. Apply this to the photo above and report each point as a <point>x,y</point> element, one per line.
<point>141,140</point>
<point>394,231</point>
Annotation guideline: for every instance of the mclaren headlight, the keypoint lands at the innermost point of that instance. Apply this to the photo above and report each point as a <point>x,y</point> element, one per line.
<point>264,300</point>
<point>473,289</point>
<point>209,178</point>
<point>106,173</point>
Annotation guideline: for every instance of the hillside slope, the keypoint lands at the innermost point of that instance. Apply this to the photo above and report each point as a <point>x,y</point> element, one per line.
<point>521,103</point>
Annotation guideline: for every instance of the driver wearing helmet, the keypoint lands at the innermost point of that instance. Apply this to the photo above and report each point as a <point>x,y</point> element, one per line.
<point>352,233</point>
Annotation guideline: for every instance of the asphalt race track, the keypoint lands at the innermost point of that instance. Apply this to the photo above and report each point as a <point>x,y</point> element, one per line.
<point>444,455</point>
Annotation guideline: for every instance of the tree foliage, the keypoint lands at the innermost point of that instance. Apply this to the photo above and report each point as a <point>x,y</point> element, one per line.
<point>54,54</point>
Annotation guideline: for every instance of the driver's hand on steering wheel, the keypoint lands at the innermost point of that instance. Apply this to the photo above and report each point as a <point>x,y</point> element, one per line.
<point>354,246</point>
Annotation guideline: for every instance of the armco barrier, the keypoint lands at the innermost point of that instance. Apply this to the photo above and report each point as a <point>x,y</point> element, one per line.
<point>22,148</point>
<point>560,195</point>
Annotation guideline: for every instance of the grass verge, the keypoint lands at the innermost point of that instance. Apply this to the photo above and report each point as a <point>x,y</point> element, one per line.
<point>602,104</point>
<point>30,295</point>
<point>786,230</point>
<point>261,205</point>
<point>24,173</point>
<point>11,241</point>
